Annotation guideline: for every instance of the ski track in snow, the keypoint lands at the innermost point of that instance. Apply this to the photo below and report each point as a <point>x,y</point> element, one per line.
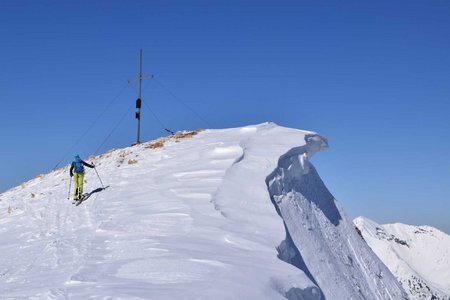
<point>190,220</point>
<point>44,239</point>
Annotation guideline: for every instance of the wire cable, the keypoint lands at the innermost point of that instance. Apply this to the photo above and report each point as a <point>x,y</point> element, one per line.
<point>114,129</point>
<point>182,102</point>
<point>158,119</point>
<point>154,114</point>
<point>92,124</point>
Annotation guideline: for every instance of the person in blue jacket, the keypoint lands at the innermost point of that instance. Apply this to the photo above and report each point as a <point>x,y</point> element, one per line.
<point>77,171</point>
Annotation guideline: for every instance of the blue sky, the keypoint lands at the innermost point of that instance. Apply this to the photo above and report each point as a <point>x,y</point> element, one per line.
<point>372,76</point>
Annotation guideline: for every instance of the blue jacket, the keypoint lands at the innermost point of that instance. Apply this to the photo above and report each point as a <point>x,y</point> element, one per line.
<point>73,166</point>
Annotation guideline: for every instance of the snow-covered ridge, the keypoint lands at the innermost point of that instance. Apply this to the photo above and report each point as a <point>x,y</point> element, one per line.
<point>185,218</point>
<point>419,256</point>
<point>320,239</point>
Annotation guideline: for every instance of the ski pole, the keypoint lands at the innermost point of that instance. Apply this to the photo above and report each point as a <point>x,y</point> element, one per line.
<point>70,186</point>
<point>99,177</point>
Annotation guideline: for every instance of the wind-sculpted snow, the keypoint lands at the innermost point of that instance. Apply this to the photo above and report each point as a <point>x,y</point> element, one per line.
<point>189,217</point>
<point>320,240</point>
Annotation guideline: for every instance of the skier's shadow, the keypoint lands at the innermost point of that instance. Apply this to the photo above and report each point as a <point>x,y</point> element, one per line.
<point>97,190</point>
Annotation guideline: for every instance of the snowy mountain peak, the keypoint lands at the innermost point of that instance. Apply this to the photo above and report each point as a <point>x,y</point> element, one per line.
<point>419,256</point>
<point>235,213</point>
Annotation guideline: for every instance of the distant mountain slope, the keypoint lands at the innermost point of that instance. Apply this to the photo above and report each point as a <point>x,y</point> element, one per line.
<point>419,256</point>
<point>189,217</point>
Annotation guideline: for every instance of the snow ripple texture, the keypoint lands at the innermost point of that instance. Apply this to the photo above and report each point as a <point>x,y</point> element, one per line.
<point>189,218</point>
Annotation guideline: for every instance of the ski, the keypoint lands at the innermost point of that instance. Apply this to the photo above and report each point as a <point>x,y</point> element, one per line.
<point>83,197</point>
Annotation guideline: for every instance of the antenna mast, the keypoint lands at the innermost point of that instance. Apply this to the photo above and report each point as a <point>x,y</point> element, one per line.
<point>139,99</point>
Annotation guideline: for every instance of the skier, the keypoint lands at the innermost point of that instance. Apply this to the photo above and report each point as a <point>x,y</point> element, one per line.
<point>77,171</point>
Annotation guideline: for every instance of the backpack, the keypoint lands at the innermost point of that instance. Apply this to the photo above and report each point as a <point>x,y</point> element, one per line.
<point>78,166</point>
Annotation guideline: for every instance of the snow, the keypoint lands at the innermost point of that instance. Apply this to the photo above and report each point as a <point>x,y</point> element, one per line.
<point>192,219</point>
<point>321,238</point>
<point>419,256</point>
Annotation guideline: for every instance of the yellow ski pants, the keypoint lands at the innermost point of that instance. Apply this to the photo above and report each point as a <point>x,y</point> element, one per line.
<point>78,179</point>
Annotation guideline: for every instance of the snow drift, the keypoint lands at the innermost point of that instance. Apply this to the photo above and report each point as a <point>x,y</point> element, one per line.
<point>320,239</point>
<point>227,214</point>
